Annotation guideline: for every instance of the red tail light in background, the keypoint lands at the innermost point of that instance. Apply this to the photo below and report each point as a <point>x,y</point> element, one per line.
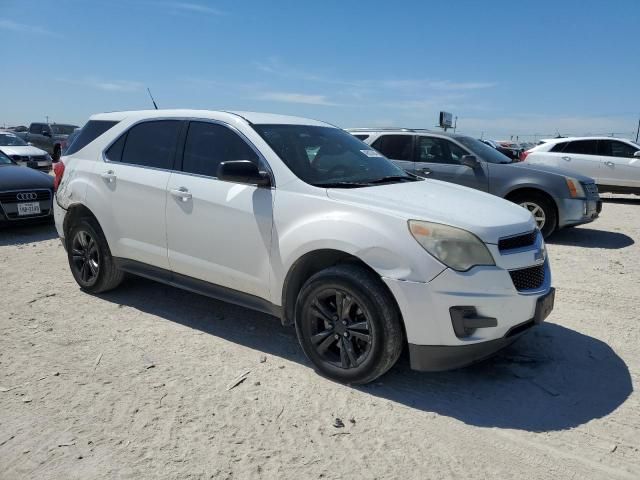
<point>523,156</point>
<point>58,170</point>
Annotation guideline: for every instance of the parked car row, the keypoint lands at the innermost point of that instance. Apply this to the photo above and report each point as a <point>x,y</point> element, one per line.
<point>556,198</point>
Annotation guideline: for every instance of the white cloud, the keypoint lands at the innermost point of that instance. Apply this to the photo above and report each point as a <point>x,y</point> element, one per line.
<point>291,97</point>
<point>24,28</point>
<point>107,85</point>
<point>193,8</point>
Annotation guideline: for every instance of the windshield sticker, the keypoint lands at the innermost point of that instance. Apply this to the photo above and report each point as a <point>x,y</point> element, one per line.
<point>371,153</point>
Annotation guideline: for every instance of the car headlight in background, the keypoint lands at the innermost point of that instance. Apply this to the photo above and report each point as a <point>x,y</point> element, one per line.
<point>456,248</point>
<point>575,188</point>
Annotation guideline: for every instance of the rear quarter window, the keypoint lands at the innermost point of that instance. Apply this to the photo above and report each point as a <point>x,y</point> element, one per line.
<point>92,130</point>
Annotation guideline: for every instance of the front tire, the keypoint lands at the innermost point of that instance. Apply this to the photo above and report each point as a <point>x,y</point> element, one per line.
<point>348,324</point>
<point>90,259</point>
<point>542,209</point>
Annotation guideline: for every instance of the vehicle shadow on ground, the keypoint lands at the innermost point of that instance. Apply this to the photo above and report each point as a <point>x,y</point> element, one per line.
<point>24,234</point>
<point>622,200</point>
<point>589,238</point>
<point>553,378</point>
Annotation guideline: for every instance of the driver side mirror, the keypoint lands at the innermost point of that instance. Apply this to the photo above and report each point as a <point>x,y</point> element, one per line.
<point>470,161</point>
<point>243,171</point>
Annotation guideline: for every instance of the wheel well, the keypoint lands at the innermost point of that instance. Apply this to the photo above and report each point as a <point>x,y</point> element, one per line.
<point>305,267</point>
<point>75,213</point>
<point>536,191</point>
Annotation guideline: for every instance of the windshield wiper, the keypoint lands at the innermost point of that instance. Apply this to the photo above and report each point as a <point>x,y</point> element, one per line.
<point>341,184</point>
<point>392,178</point>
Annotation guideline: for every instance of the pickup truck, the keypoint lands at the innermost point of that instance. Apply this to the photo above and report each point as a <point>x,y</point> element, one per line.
<point>50,137</point>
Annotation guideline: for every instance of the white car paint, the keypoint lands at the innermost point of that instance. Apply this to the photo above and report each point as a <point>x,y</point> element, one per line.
<point>247,238</point>
<point>607,170</point>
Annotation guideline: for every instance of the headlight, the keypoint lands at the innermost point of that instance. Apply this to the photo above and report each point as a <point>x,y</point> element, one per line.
<point>456,248</point>
<point>575,188</point>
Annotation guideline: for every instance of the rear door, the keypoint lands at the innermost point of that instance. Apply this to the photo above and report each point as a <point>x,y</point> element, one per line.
<point>397,147</point>
<point>218,231</point>
<point>619,166</point>
<point>131,191</point>
<point>441,159</point>
<point>581,156</point>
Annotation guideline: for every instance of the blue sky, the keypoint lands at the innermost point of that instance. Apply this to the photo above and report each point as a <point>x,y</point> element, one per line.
<point>503,67</point>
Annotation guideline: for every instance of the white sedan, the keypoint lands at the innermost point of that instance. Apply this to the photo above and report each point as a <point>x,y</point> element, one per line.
<point>614,163</point>
<point>22,153</point>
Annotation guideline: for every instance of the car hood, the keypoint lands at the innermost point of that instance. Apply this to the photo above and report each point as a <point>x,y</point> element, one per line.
<point>487,216</point>
<point>23,151</point>
<point>548,169</point>
<point>14,177</point>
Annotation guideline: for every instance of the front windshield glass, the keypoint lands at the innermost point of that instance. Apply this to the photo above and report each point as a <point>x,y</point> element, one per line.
<point>485,152</point>
<point>58,129</point>
<point>4,160</point>
<point>330,157</point>
<point>11,140</point>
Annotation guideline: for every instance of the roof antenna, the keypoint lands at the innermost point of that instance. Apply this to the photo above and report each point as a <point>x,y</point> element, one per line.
<point>154,102</point>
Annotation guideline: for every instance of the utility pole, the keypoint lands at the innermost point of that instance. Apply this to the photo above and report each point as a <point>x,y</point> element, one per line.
<point>455,124</point>
<point>638,130</point>
<point>47,117</point>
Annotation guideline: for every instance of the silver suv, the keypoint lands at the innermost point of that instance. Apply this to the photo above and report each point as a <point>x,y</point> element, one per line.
<point>556,198</point>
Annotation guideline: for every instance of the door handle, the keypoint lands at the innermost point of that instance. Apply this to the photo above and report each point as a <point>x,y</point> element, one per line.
<point>609,164</point>
<point>182,193</point>
<point>568,159</point>
<point>110,176</point>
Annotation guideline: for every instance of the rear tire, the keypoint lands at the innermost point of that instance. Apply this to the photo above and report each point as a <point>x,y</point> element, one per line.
<point>90,259</point>
<point>348,324</point>
<point>543,210</point>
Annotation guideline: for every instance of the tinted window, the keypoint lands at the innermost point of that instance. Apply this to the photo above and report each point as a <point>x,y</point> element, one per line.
<point>209,144</point>
<point>35,128</point>
<point>433,150</point>
<point>396,147</point>
<point>613,148</point>
<point>63,129</point>
<point>329,157</point>
<point>92,130</point>
<point>584,147</point>
<point>152,144</point>
<point>361,137</point>
<point>114,154</point>
<point>559,147</point>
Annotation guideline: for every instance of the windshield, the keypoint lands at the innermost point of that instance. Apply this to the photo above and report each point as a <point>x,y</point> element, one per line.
<point>11,140</point>
<point>63,129</point>
<point>4,160</point>
<point>485,152</point>
<point>330,157</point>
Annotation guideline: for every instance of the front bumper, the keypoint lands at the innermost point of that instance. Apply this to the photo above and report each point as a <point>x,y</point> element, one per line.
<point>576,211</point>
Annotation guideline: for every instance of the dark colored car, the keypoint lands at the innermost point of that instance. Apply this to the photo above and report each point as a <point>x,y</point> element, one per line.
<point>26,194</point>
<point>49,136</point>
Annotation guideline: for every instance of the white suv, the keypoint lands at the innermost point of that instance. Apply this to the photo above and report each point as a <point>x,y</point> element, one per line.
<point>614,163</point>
<point>301,220</point>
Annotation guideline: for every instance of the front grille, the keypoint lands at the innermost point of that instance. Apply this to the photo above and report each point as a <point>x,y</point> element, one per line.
<point>591,189</point>
<point>26,158</point>
<point>519,241</point>
<point>530,278</point>
<point>12,197</point>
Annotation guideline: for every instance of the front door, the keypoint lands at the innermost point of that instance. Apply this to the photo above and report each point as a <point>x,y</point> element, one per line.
<point>619,166</point>
<point>217,231</point>
<point>441,159</point>
<point>581,156</point>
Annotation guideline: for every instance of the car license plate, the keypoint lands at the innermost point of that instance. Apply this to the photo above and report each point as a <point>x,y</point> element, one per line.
<point>544,306</point>
<point>31,208</point>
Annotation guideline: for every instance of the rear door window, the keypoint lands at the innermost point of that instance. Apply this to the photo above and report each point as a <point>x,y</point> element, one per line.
<point>559,147</point>
<point>395,147</point>
<point>582,147</point>
<point>209,144</point>
<point>92,130</point>
<point>149,144</point>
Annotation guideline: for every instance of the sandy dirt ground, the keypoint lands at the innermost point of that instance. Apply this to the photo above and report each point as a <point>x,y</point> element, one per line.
<point>137,383</point>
